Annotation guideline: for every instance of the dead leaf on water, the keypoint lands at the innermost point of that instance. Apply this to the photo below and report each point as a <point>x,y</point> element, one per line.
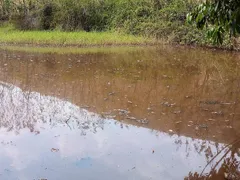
<point>177,112</point>
<point>54,150</point>
<point>131,118</point>
<point>218,113</point>
<point>178,122</point>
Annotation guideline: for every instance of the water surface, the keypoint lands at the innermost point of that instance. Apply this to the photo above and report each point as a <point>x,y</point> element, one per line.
<point>147,113</point>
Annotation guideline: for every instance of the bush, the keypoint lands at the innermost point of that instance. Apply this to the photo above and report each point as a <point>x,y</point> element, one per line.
<point>162,19</point>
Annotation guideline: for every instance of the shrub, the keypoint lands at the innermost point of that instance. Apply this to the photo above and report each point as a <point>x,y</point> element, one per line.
<point>162,19</point>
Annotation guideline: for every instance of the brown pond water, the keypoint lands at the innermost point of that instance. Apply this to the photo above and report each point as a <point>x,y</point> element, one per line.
<point>152,113</point>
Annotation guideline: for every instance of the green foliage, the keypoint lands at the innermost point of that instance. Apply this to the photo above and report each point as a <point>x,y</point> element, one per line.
<point>161,19</point>
<point>7,6</point>
<point>219,17</point>
<point>47,16</point>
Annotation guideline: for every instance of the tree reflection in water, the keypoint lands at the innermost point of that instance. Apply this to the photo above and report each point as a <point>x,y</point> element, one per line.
<point>226,167</point>
<point>21,110</point>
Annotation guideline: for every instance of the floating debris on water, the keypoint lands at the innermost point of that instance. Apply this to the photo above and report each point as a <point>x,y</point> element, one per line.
<point>218,113</point>
<point>111,93</point>
<point>131,118</point>
<point>230,103</point>
<point>209,102</point>
<point>201,126</point>
<point>178,122</point>
<point>177,112</point>
<point>122,111</point>
<point>143,121</point>
<point>54,150</point>
<point>167,104</point>
<point>149,109</point>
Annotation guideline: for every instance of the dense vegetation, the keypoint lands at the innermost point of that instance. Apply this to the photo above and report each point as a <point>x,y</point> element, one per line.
<point>161,19</point>
<point>215,21</point>
<point>219,17</point>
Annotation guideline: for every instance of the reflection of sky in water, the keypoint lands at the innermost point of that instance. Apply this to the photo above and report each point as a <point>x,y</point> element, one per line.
<point>89,147</point>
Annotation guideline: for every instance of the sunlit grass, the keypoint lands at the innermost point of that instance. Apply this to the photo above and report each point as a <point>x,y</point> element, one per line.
<point>58,38</point>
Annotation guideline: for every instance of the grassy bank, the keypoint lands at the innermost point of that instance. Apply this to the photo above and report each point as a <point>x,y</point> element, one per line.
<point>101,22</point>
<point>164,20</point>
<point>58,38</point>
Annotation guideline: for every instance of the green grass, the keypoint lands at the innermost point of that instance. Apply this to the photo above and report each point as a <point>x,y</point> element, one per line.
<point>59,38</point>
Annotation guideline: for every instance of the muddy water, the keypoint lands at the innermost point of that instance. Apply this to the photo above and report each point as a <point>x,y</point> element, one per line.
<point>153,113</point>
